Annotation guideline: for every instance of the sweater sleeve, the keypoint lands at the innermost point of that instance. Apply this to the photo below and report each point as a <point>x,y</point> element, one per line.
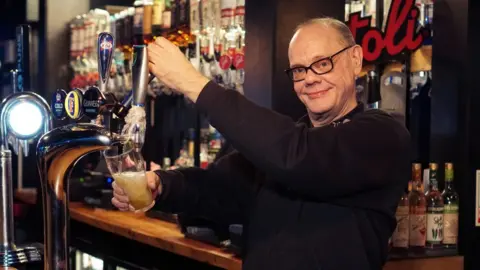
<point>222,192</point>
<point>321,163</point>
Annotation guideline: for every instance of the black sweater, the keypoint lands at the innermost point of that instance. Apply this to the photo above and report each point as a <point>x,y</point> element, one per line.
<point>309,197</point>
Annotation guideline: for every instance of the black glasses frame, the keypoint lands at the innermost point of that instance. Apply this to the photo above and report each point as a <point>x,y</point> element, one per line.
<point>330,58</point>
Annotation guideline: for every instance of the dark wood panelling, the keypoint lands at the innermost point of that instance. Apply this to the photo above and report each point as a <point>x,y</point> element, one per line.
<point>260,24</point>
<point>470,134</point>
<point>448,96</point>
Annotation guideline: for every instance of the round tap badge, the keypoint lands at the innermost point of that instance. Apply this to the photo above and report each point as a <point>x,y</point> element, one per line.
<point>73,103</point>
<point>57,105</point>
<point>93,100</point>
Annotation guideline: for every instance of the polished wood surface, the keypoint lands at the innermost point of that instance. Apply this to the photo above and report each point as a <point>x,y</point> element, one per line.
<point>167,236</point>
<point>444,263</point>
<point>157,233</point>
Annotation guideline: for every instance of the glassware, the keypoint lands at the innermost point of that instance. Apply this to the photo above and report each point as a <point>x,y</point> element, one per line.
<point>128,170</point>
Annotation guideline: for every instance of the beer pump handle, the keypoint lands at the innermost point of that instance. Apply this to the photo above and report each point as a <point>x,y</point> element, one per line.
<point>127,101</point>
<point>106,45</point>
<point>140,75</point>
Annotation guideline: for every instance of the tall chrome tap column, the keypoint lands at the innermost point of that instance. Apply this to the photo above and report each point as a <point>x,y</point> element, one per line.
<point>57,153</point>
<point>23,116</point>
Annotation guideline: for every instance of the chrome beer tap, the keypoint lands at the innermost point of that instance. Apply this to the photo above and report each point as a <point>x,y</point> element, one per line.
<point>24,116</point>
<point>57,153</point>
<point>135,122</point>
<point>60,149</point>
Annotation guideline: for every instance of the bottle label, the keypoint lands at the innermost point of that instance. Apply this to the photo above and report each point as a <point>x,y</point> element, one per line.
<point>400,235</point>
<point>74,41</point>
<point>227,12</point>
<point>450,209</point>
<point>157,13</point>
<point>418,224</point>
<point>81,38</point>
<point>450,227</point>
<point>435,225</point>
<point>147,20</point>
<point>239,15</point>
<point>207,20</point>
<point>194,16</point>
<point>167,20</point>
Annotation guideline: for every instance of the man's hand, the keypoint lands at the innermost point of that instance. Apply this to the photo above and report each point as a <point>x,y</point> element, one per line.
<point>170,66</point>
<point>120,198</point>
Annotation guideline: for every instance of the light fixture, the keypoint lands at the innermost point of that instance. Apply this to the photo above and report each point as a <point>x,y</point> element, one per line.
<point>25,119</point>
<point>24,116</point>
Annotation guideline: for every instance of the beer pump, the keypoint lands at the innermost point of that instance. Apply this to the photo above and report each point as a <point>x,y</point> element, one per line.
<point>24,116</point>
<point>97,102</point>
<point>59,150</point>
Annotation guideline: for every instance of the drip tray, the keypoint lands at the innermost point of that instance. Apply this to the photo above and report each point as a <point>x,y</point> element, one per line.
<point>22,254</point>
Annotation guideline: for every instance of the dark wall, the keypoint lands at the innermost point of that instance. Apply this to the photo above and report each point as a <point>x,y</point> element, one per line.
<point>259,51</point>
<point>470,108</point>
<point>449,99</point>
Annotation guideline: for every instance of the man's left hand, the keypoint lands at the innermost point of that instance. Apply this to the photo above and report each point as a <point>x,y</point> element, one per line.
<point>171,67</point>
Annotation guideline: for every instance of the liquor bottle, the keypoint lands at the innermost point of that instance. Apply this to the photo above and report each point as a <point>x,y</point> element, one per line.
<point>138,18</point>
<point>167,163</point>
<point>182,35</point>
<point>183,15</point>
<point>417,206</point>
<point>147,21</point>
<point>195,34</point>
<point>191,146</point>
<point>434,210</point>
<point>400,236</point>
<point>157,17</point>
<point>143,22</point>
<point>450,214</point>
<point>168,16</point>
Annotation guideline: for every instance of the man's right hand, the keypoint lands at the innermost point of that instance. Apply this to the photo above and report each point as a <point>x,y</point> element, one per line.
<point>120,198</point>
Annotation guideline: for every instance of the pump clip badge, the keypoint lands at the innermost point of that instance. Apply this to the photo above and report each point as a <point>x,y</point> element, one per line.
<point>58,101</point>
<point>72,104</point>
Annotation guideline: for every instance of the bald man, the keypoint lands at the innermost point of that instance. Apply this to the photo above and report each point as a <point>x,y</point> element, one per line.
<point>320,193</point>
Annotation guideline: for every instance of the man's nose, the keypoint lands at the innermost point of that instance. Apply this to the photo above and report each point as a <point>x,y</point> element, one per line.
<point>311,77</point>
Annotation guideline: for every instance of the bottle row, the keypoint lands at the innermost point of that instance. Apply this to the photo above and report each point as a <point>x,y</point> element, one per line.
<point>210,33</point>
<point>427,219</point>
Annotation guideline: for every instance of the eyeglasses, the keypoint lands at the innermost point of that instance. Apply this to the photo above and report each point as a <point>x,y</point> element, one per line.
<point>318,67</point>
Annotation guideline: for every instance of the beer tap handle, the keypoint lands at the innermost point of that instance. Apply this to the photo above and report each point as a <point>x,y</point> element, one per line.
<point>106,45</point>
<point>140,75</point>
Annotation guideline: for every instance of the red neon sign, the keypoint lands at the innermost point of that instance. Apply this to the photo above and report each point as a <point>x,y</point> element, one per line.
<point>399,35</point>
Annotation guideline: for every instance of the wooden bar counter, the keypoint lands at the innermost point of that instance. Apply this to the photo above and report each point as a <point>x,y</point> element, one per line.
<point>167,236</point>
<point>154,232</point>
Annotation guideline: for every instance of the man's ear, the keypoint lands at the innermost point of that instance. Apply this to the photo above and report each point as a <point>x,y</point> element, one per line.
<point>357,59</point>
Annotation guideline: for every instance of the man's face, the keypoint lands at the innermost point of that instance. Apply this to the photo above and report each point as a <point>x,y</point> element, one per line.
<point>333,91</point>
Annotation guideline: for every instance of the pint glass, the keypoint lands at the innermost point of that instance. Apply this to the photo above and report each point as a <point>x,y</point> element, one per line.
<point>128,170</point>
